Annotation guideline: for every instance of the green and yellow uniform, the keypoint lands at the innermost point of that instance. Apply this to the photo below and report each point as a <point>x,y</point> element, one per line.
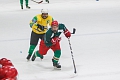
<point>39,20</point>
<point>38,33</point>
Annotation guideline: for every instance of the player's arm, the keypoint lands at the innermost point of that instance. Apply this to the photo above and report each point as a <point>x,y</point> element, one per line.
<point>33,21</point>
<point>47,38</point>
<point>65,30</point>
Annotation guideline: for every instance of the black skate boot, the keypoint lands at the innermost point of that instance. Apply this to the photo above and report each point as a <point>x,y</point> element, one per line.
<point>21,6</point>
<point>28,7</point>
<point>28,57</point>
<point>33,57</point>
<point>47,1</point>
<point>56,65</point>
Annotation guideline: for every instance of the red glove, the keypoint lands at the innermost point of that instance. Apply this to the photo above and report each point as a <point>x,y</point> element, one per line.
<point>67,33</point>
<point>55,40</point>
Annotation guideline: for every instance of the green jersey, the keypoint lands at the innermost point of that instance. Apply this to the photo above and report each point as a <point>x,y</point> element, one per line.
<point>50,34</point>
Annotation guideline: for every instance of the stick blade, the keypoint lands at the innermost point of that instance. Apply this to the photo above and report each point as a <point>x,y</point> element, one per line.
<point>40,2</point>
<point>74,30</point>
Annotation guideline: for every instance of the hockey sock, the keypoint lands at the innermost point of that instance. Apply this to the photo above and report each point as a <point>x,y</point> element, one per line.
<point>26,3</point>
<point>57,55</point>
<point>21,2</point>
<point>37,54</point>
<point>31,49</point>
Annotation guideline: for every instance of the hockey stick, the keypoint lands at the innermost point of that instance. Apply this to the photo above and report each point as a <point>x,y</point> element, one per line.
<point>37,2</point>
<point>72,56</point>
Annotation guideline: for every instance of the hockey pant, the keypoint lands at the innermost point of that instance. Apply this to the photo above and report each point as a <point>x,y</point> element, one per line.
<point>56,49</point>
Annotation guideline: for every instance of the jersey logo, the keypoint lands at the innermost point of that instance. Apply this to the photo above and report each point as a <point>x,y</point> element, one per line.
<point>48,21</point>
<point>60,30</point>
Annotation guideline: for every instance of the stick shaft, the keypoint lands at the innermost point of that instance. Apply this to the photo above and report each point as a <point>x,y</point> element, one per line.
<point>72,56</point>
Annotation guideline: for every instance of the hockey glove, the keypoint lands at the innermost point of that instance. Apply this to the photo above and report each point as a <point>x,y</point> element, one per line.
<point>55,40</point>
<point>67,33</point>
<point>41,27</point>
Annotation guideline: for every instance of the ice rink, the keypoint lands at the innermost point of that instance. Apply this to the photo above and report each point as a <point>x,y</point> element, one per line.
<point>96,44</point>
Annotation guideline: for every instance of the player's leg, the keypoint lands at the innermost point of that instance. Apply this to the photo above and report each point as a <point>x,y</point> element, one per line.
<point>36,53</point>
<point>27,4</point>
<point>42,51</point>
<point>57,54</point>
<point>21,3</point>
<point>41,36</point>
<point>33,43</point>
<point>31,49</point>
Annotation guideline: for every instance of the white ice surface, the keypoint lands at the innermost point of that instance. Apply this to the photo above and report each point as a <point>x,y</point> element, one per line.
<point>96,44</point>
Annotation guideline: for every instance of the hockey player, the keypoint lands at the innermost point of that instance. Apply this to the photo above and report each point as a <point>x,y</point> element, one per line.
<point>39,25</point>
<point>7,70</point>
<point>51,41</point>
<point>21,2</point>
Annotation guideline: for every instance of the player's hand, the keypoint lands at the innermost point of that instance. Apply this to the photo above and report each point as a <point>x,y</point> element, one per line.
<point>67,33</point>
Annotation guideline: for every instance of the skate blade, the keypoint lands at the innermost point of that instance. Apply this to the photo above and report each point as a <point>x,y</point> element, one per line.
<point>55,68</point>
<point>41,59</point>
<point>28,60</point>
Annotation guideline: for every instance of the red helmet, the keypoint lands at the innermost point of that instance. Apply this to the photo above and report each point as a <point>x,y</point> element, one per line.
<point>2,73</point>
<point>3,60</point>
<point>12,72</point>
<point>8,63</point>
<point>9,72</point>
<point>54,23</point>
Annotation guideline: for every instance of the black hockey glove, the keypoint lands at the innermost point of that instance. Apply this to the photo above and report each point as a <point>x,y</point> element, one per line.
<point>41,27</point>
